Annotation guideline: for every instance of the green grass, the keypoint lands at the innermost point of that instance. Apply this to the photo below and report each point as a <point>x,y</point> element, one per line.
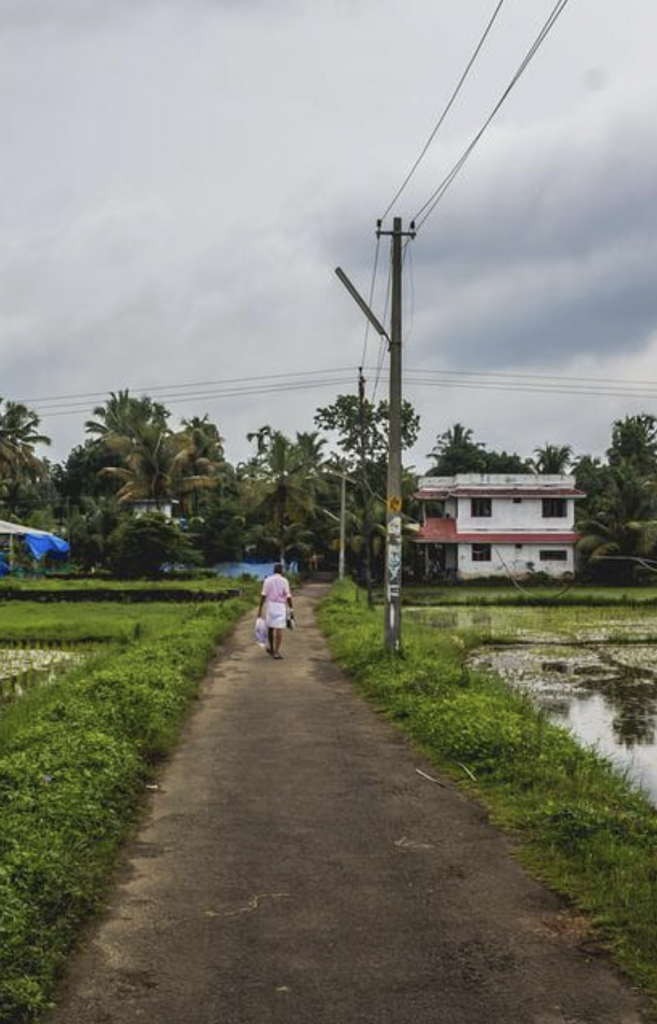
<point>582,828</point>
<point>209,584</point>
<point>74,757</point>
<point>83,623</point>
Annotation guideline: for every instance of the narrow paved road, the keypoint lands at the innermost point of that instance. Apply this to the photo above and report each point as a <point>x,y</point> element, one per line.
<point>294,867</point>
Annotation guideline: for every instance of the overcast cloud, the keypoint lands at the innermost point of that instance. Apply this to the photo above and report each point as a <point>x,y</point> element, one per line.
<point>179,181</point>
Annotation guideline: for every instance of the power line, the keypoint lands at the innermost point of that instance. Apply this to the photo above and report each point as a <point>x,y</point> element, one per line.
<point>537,376</point>
<point>529,388</point>
<point>603,387</point>
<point>190,384</point>
<point>429,206</point>
<point>446,110</point>
<point>235,392</point>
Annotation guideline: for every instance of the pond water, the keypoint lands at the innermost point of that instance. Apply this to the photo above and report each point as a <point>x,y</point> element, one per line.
<point>551,624</point>
<point>593,670</point>
<point>605,694</point>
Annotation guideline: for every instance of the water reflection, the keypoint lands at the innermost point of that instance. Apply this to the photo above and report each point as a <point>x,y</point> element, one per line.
<point>607,696</point>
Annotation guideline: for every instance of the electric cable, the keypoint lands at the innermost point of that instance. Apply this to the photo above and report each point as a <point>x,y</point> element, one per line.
<point>234,392</point>
<point>448,107</point>
<point>529,388</point>
<point>430,205</point>
<point>189,384</point>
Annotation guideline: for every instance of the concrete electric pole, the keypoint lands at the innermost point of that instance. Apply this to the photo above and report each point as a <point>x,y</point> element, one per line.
<point>393,581</point>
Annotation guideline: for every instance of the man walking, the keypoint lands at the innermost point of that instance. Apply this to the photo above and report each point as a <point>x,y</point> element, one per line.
<point>275,598</point>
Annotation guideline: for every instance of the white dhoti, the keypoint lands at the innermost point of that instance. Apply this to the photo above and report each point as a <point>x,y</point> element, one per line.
<point>275,614</point>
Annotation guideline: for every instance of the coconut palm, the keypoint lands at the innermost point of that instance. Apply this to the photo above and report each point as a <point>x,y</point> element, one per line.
<point>279,486</point>
<point>623,527</point>
<point>456,451</point>
<point>120,421</point>
<point>634,440</point>
<point>199,459</point>
<point>148,467</point>
<point>19,437</point>
<point>552,458</point>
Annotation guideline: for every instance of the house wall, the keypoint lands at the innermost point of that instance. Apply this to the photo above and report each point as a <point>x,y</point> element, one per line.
<point>525,515</point>
<point>516,560</point>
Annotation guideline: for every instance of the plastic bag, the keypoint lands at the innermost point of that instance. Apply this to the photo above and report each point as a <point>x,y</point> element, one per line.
<point>260,632</point>
<point>290,623</point>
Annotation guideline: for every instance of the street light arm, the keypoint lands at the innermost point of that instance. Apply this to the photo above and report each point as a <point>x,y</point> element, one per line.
<point>376,324</point>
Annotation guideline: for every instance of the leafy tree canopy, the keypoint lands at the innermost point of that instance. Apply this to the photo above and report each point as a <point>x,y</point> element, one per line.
<point>362,428</point>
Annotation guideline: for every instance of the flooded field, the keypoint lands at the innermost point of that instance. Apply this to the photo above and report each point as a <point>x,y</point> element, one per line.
<point>24,667</point>
<point>552,625</point>
<point>593,671</point>
<point>606,695</point>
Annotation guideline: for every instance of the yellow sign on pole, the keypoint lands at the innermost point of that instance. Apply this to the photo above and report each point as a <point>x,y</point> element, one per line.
<point>395,504</point>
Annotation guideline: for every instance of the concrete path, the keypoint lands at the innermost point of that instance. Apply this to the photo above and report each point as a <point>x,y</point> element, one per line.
<point>294,868</point>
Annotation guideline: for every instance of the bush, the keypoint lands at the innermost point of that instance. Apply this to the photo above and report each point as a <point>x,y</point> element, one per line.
<point>143,545</point>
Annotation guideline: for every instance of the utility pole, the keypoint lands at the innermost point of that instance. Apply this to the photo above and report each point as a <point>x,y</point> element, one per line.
<point>393,581</point>
<point>343,524</point>
<point>367,519</point>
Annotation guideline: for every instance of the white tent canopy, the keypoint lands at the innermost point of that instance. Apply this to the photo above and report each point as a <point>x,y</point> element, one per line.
<point>15,528</point>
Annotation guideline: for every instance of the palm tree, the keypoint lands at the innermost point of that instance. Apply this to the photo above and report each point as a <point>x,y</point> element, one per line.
<point>122,418</point>
<point>281,484</point>
<point>19,436</point>
<point>624,525</point>
<point>199,459</point>
<point>148,467</point>
<point>456,451</point>
<point>552,458</point>
<point>634,439</point>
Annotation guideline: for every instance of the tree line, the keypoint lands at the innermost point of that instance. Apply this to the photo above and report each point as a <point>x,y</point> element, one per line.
<point>284,501</point>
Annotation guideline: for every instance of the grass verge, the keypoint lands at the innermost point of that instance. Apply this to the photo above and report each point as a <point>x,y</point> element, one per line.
<point>581,828</point>
<point>73,762</point>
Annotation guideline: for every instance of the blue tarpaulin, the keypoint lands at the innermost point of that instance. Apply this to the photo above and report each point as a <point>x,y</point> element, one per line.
<point>256,569</point>
<point>40,544</point>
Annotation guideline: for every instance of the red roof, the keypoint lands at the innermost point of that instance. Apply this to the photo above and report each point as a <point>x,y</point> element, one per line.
<point>443,531</point>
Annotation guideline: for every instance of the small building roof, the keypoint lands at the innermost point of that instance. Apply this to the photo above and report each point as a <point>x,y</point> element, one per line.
<point>498,485</point>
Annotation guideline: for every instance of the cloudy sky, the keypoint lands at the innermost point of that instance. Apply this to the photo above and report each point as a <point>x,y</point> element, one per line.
<point>179,179</point>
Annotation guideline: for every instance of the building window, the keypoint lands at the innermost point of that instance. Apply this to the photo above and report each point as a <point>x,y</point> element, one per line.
<point>481,507</point>
<point>481,553</point>
<point>518,547</point>
<point>554,508</point>
<point>553,555</point>
<point>517,501</point>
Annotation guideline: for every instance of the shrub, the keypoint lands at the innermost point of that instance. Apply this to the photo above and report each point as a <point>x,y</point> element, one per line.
<point>143,545</point>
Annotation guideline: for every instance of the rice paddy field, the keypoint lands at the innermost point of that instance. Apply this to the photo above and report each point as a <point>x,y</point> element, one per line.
<point>592,670</point>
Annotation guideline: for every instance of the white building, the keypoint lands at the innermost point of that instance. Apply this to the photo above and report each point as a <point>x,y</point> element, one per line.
<point>477,525</point>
